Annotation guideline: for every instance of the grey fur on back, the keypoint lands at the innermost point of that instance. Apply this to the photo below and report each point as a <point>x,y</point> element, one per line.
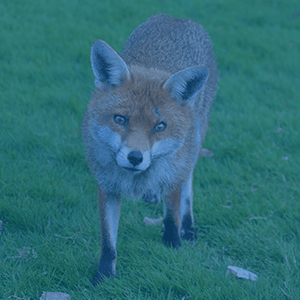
<point>171,45</point>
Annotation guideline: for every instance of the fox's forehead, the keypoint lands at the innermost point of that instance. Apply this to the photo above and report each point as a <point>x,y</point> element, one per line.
<point>141,107</point>
<point>143,96</point>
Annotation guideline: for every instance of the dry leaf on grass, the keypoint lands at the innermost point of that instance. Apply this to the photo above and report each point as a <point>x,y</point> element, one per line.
<point>55,296</point>
<point>153,222</point>
<point>206,153</point>
<point>241,273</point>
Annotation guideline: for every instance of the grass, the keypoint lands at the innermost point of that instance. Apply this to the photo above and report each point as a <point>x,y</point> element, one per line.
<point>246,197</point>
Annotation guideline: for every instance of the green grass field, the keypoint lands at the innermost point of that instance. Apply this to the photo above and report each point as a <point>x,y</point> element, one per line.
<point>246,197</point>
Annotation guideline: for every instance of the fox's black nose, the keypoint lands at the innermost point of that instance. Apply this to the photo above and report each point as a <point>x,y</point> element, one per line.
<point>135,157</point>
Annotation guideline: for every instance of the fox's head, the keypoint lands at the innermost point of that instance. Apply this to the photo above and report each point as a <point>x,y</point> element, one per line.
<point>137,114</point>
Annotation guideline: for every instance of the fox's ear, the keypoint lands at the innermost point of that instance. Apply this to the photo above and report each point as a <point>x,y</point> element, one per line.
<point>187,83</point>
<point>108,67</point>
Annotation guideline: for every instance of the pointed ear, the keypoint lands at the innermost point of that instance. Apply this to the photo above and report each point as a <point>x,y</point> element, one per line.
<point>187,83</point>
<point>108,67</point>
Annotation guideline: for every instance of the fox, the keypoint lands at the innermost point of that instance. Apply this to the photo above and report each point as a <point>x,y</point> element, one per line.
<point>145,125</point>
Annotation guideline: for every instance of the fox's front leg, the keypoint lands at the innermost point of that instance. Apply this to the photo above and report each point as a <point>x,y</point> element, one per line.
<point>172,220</point>
<point>109,210</point>
<point>178,215</point>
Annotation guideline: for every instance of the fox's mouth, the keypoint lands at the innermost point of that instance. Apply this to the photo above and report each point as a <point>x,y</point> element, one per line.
<point>132,169</point>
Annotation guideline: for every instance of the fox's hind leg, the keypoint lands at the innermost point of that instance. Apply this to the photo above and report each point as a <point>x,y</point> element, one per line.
<point>109,210</point>
<point>171,236</point>
<point>187,230</point>
<point>153,198</point>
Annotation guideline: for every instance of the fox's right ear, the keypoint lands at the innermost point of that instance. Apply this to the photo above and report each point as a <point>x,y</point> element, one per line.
<point>186,84</point>
<point>108,67</point>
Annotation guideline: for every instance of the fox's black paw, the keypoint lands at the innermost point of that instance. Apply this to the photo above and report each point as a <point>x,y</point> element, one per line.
<point>98,279</point>
<point>105,270</point>
<point>187,230</point>
<point>171,235</point>
<point>173,242</point>
<point>189,234</point>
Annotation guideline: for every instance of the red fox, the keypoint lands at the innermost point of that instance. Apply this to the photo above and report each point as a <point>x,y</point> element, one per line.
<point>145,125</point>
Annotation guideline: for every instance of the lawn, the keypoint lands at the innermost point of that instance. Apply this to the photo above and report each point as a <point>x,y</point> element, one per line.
<point>246,197</point>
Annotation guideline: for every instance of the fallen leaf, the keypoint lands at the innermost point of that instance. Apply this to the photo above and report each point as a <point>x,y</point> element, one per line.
<point>153,222</point>
<point>206,153</point>
<point>55,296</point>
<point>241,273</point>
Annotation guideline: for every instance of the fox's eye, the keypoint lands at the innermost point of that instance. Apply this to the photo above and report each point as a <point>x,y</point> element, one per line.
<point>160,127</point>
<point>120,120</point>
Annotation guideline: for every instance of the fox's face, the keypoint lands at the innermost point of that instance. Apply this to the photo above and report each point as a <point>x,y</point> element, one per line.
<point>137,119</point>
<point>137,123</point>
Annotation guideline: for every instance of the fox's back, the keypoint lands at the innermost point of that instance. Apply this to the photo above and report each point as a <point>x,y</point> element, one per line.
<point>169,44</point>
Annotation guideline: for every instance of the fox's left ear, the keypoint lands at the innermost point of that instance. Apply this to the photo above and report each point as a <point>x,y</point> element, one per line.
<point>187,83</point>
<point>109,68</point>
